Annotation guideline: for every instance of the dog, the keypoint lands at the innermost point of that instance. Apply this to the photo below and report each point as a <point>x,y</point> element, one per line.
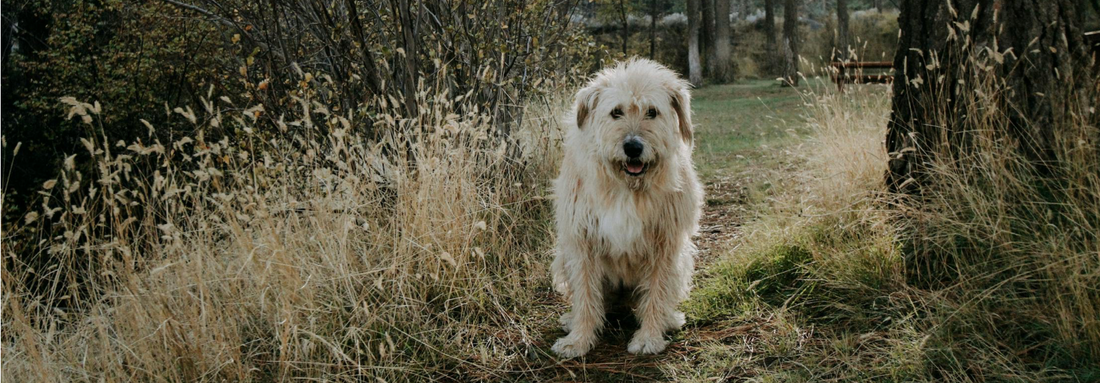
<point>628,202</point>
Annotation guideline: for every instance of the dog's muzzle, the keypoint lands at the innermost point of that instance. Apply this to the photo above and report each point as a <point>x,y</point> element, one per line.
<point>634,166</point>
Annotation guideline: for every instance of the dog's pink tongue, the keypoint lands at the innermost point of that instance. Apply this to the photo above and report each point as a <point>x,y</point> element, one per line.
<point>634,168</point>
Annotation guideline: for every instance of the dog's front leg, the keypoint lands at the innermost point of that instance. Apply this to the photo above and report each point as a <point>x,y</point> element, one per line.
<point>586,319</point>
<point>662,290</point>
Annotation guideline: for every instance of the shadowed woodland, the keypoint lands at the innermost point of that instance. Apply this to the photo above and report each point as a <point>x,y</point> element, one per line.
<point>350,190</point>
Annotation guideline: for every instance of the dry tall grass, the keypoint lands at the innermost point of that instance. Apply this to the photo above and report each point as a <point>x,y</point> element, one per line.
<point>991,272</point>
<point>1009,243</point>
<point>1001,251</point>
<point>831,279</point>
<point>305,253</point>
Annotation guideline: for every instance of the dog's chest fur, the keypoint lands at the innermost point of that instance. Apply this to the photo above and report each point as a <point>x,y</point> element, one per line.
<point>630,226</point>
<point>619,226</point>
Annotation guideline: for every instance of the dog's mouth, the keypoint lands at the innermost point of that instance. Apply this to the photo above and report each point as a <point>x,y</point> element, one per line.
<point>635,168</point>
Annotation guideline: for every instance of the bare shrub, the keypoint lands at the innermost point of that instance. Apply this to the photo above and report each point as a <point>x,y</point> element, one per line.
<point>311,254</point>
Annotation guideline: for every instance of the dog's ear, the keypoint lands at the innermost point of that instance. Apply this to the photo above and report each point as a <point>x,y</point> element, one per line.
<point>681,103</point>
<point>586,101</point>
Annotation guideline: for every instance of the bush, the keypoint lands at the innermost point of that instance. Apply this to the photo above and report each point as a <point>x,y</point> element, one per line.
<point>132,57</point>
<point>137,58</point>
<point>307,255</point>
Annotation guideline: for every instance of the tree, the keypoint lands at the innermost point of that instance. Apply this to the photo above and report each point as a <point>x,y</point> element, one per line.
<point>790,42</point>
<point>709,35</point>
<point>842,43</point>
<point>695,70</point>
<point>1038,51</point>
<point>770,43</point>
<point>722,71</point>
<point>626,24</point>
<point>653,29</point>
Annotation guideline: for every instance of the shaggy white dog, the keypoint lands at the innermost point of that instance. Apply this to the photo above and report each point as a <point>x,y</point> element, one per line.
<point>628,203</point>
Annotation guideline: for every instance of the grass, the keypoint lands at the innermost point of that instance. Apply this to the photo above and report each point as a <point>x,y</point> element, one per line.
<point>298,255</point>
<point>804,287</point>
<point>838,280</point>
<point>321,257</point>
<point>739,124</point>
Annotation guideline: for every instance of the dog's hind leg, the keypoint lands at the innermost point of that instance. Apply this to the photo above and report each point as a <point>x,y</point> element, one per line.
<point>587,315</point>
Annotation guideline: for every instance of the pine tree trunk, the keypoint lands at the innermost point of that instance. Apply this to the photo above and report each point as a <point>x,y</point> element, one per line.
<point>626,25</point>
<point>770,45</point>
<point>709,35</point>
<point>1045,68</point>
<point>695,69</point>
<point>842,42</point>
<point>652,29</point>
<point>722,69</point>
<point>790,42</point>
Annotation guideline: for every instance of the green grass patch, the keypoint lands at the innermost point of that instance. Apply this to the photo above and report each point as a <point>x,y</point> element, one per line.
<point>771,276</point>
<point>739,125</point>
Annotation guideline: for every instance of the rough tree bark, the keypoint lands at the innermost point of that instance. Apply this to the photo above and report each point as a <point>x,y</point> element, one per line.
<point>770,39</point>
<point>652,29</point>
<point>709,35</point>
<point>626,24</point>
<point>1045,67</point>
<point>790,42</point>
<point>695,69</point>
<point>723,72</point>
<point>842,42</point>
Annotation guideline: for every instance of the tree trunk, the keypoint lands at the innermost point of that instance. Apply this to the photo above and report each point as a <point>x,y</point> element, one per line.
<point>626,24</point>
<point>770,48</point>
<point>842,43</point>
<point>723,72</point>
<point>709,35</point>
<point>695,70</point>
<point>790,42</point>
<point>1045,70</point>
<point>652,29</point>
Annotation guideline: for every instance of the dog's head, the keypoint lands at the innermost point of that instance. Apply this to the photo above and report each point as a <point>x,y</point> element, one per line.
<point>637,118</point>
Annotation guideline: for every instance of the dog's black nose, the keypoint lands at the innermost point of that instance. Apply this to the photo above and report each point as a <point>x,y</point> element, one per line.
<point>633,148</point>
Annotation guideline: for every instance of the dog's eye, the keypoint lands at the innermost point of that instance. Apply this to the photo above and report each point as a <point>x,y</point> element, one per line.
<point>651,113</point>
<point>616,113</point>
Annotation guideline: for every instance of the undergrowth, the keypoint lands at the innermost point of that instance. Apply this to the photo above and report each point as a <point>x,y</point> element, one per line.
<point>826,285</point>
<point>305,254</point>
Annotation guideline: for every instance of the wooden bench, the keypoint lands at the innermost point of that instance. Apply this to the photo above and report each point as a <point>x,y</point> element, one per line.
<point>843,76</point>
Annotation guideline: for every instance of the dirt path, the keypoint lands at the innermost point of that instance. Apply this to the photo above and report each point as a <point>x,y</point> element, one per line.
<point>723,213</point>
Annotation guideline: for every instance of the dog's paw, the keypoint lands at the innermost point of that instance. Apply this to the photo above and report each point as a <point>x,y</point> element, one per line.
<point>642,344</point>
<point>566,321</point>
<point>572,346</point>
